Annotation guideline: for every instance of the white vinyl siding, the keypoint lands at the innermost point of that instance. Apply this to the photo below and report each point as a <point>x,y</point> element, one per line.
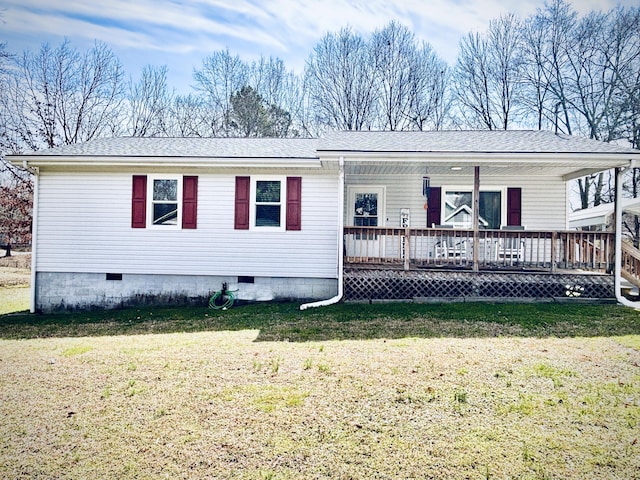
<point>85,226</point>
<point>544,198</point>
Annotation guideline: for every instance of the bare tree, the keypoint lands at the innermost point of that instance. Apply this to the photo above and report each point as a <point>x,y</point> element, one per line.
<point>603,85</point>
<point>394,61</point>
<point>187,117</point>
<point>535,75</point>
<point>430,93</point>
<point>220,77</point>
<point>621,54</point>
<point>340,82</point>
<point>488,74</point>
<point>269,78</point>
<point>148,100</point>
<point>62,96</point>
<point>557,20</point>
<point>471,82</point>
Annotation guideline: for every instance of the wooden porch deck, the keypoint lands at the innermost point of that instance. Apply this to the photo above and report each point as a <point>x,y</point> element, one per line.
<point>428,264</point>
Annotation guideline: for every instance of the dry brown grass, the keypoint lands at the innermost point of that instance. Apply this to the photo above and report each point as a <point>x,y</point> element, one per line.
<point>15,270</point>
<point>19,261</point>
<point>15,278</point>
<point>223,405</point>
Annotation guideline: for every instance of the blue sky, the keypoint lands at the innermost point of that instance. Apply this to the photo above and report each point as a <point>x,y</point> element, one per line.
<point>181,33</point>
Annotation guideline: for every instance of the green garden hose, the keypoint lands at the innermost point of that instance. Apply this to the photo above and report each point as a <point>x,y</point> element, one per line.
<point>222,299</point>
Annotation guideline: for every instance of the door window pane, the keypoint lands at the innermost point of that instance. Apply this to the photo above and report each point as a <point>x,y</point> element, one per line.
<point>491,209</point>
<point>366,210</point>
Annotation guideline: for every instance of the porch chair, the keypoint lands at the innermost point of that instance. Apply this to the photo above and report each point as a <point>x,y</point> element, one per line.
<point>450,247</point>
<point>510,249</point>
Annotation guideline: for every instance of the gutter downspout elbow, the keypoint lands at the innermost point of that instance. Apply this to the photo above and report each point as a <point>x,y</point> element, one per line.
<point>340,239</point>
<point>618,245</point>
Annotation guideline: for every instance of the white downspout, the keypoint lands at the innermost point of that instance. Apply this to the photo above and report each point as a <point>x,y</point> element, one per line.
<point>34,235</point>
<point>340,239</point>
<point>618,244</point>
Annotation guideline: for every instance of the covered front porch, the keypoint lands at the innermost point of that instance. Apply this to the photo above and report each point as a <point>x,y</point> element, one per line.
<point>469,215</point>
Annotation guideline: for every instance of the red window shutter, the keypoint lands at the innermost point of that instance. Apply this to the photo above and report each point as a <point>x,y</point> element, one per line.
<point>514,206</point>
<point>433,207</point>
<point>243,199</point>
<point>294,203</point>
<point>189,202</point>
<point>139,202</point>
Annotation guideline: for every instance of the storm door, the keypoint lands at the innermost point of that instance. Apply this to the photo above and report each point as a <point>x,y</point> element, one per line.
<point>366,209</point>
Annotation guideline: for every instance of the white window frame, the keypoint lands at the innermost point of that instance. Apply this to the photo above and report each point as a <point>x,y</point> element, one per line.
<point>465,188</point>
<point>283,202</point>
<point>150,202</point>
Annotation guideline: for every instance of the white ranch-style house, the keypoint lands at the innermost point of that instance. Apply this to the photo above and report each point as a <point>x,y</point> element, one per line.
<point>353,215</point>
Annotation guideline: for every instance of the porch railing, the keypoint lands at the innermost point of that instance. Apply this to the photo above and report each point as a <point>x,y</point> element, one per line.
<point>489,249</point>
<point>631,263</point>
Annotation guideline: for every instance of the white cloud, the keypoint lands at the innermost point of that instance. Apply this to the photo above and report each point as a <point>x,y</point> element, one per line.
<point>288,29</point>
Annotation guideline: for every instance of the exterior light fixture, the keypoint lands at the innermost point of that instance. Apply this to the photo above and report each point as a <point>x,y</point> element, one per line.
<point>456,169</point>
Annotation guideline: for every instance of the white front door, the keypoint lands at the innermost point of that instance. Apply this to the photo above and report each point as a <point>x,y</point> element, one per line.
<point>366,209</point>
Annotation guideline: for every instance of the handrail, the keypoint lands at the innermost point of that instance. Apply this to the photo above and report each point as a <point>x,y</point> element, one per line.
<point>630,263</point>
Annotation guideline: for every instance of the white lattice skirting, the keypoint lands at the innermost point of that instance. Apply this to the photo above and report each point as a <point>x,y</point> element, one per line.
<point>402,285</point>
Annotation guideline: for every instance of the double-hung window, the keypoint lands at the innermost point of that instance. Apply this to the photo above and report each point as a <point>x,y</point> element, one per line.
<point>268,203</point>
<point>165,208</point>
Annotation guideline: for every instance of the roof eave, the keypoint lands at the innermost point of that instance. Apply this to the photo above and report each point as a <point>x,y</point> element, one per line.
<point>150,162</point>
<point>586,159</point>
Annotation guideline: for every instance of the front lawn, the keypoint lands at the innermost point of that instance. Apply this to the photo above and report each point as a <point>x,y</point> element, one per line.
<point>350,391</point>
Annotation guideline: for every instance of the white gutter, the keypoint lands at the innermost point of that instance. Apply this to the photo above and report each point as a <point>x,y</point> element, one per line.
<point>618,244</point>
<point>340,239</point>
<point>34,234</point>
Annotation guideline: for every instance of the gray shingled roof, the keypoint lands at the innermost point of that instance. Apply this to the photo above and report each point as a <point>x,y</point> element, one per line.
<point>452,141</point>
<point>190,147</point>
<point>465,141</point>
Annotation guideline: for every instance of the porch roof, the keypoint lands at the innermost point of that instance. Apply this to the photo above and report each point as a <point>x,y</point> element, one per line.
<point>523,152</point>
<point>467,141</point>
<point>602,214</point>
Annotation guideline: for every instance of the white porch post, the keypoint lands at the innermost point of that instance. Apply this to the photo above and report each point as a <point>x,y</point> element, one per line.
<point>476,216</point>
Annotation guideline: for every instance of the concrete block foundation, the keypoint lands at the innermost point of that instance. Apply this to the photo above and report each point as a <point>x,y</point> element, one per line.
<point>57,291</point>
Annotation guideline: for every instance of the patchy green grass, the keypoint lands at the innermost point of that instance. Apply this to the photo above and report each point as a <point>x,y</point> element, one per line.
<point>348,391</point>
<point>277,322</point>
